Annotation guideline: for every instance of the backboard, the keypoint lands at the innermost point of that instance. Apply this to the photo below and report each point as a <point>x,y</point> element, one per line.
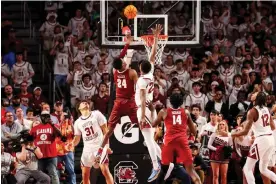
<point>180,20</point>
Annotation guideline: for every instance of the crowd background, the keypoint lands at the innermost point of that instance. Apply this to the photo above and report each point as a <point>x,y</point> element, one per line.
<point>237,58</point>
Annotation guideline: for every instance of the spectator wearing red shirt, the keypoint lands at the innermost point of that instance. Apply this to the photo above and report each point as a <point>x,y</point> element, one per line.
<point>24,95</point>
<point>3,112</point>
<point>100,101</point>
<point>45,135</point>
<point>36,101</point>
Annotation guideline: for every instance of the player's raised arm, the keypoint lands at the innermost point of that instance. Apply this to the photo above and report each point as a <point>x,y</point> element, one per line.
<point>156,32</point>
<point>251,115</point>
<point>124,51</point>
<point>160,117</point>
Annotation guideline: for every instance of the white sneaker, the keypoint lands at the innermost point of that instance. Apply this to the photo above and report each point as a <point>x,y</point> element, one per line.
<point>171,166</point>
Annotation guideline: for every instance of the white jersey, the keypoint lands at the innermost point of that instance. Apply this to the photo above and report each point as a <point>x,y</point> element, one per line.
<point>214,29</point>
<point>182,56</point>
<point>227,74</point>
<point>86,70</point>
<point>90,130</point>
<point>21,71</point>
<point>97,76</point>
<point>257,61</point>
<point>243,147</point>
<point>61,65</point>
<point>5,70</point>
<point>76,25</point>
<point>182,77</point>
<point>145,82</point>
<point>209,128</point>
<point>80,56</point>
<point>77,82</point>
<point>189,84</point>
<point>86,93</point>
<point>48,28</point>
<point>262,125</point>
<point>168,69</point>
<point>165,55</point>
<point>199,99</point>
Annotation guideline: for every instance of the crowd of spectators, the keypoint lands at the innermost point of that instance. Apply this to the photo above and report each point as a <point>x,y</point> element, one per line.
<point>237,59</point>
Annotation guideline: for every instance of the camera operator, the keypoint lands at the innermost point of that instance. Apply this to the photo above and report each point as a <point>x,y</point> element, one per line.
<point>7,164</point>
<point>28,163</point>
<point>44,135</point>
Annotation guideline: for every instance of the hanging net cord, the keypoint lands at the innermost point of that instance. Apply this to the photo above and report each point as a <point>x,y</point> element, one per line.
<point>148,41</point>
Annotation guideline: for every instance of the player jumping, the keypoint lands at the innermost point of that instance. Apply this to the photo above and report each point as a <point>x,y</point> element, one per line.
<point>262,149</point>
<point>144,97</point>
<point>176,142</point>
<point>92,127</point>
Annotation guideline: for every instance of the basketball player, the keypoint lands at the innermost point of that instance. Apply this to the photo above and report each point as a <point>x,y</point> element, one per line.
<point>262,149</point>
<point>176,142</point>
<point>92,127</point>
<point>143,97</point>
<point>124,105</point>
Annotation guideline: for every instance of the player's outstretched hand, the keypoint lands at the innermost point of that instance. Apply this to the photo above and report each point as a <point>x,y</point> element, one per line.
<point>109,151</point>
<point>129,38</point>
<point>157,30</point>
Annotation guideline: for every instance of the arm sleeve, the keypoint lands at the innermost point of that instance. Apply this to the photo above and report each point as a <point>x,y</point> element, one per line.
<point>76,129</point>
<point>100,118</point>
<point>210,142</point>
<point>124,51</point>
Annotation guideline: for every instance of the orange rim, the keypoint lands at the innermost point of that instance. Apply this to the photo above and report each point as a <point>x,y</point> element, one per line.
<point>148,39</point>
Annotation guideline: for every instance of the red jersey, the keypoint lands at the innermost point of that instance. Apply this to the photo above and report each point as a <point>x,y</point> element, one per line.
<point>124,85</point>
<point>175,124</point>
<point>45,140</point>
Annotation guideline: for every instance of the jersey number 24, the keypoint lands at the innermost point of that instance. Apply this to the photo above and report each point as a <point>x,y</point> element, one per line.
<point>121,83</point>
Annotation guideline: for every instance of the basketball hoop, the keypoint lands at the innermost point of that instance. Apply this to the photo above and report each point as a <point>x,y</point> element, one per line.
<point>148,41</point>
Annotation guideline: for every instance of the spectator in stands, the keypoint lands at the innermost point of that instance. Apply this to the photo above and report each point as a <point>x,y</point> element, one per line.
<point>9,57</point>
<point>10,129</point>
<point>13,39</point>
<point>75,25</point>
<point>30,114</point>
<point>87,90</point>
<point>47,30</point>
<point>16,103</point>
<point>199,164</point>
<point>44,137</point>
<point>46,108</point>
<point>7,96</point>
<point>61,63</point>
<point>106,78</point>
<point>5,74</point>
<point>65,149</point>
<point>22,71</point>
<point>217,103</point>
<point>100,100</point>
<point>7,164</point>
<point>97,77</point>
<point>36,101</point>
<point>28,164</point>
<point>24,95</point>
<point>88,67</point>
<point>240,106</point>
<point>26,124</point>
<point>3,112</point>
<point>197,118</point>
<point>74,79</point>
<point>159,101</point>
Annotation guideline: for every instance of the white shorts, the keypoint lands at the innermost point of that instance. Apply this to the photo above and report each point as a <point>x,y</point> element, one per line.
<point>149,116</point>
<point>88,158</point>
<point>262,148</point>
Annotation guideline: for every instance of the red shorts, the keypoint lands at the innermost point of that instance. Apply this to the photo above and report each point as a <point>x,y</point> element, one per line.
<point>123,107</point>
<point>179,149</point>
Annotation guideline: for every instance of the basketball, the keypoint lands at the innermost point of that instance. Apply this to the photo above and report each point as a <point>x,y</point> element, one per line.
<point>130,12</point>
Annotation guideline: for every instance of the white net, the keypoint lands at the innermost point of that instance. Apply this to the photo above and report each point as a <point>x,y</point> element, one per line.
<point>148,42</point>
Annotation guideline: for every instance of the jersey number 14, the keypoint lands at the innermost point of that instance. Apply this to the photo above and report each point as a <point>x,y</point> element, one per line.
<point>177,119</point>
